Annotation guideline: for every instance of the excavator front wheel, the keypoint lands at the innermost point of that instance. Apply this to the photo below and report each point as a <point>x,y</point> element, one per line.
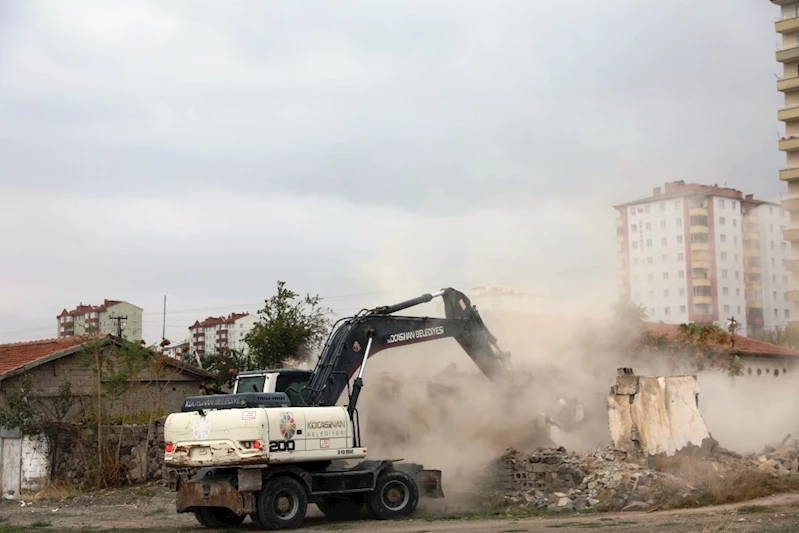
<point>282,503</point>
<point>395,496</point>
<point>217,517</point>
<point>342,507</point>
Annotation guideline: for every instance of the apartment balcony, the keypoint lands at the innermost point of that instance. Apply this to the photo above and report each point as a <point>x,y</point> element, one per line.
<point>789,173</point>
<point>791,264</point>
<point>789,143</point>
<point>701,263</point>
<point>700,229</point>
<point>702,282</point>
<point>755,286</point>
<point>703,300</point>
<point>619,222</point>
<point>791,234</point>
<point>751,252</point>
<point>788,54</point>
<point>700,246</point>
<point>754,304</point>
<point>787,23</point>
<point>790,203</point>
<point>699,211</point>
<point>752,270</point>
<point>792,296</point>
<point>788,114</point>
<point>619,238</point>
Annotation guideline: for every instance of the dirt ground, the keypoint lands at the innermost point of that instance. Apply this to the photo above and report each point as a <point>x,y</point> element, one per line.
<point>150,509</point>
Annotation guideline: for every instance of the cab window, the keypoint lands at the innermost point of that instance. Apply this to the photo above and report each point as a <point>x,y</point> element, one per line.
<point>251,384</point>
<point>291,385</point>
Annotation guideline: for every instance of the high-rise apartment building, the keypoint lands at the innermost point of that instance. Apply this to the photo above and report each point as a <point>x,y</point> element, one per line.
<point>787,26</point>
<point>107,318</point>
<point>217,334</point>
<point>699,253</point>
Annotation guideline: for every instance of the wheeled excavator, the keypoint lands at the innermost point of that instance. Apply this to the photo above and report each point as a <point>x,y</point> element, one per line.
<point>280,442</point>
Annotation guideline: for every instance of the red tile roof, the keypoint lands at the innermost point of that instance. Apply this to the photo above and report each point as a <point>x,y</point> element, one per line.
<point>18,354</point>
<point>218,321</point>
<point>83,309</point>
<point>744,345</point>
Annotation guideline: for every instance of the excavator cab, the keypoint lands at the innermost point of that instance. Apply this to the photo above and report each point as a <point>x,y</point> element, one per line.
<point>287,380</point>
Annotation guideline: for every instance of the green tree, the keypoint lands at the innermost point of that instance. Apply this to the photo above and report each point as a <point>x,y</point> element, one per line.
<point>290,329</point>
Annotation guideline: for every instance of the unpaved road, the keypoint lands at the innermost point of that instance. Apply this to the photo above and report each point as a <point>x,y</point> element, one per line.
<point>151,509</point>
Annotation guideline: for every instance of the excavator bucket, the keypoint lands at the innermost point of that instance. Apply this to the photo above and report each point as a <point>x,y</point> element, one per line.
<point>428,481</point>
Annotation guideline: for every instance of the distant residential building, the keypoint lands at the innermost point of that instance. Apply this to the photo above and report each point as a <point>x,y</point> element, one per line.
<point>493,298</point>
<point>178,351</point>
<point>699,253</point>
<point>217,334</point>
<point>787,27</point>
<point>107,318</point>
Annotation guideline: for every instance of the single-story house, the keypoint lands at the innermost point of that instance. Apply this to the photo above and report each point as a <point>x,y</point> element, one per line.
<point>49,363</point>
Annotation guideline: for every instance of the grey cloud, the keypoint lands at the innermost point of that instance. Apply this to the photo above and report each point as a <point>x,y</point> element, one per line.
<point>412,104</point>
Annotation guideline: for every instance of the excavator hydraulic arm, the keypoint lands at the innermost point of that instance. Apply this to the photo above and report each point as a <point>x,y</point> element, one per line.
<point>359,337</point>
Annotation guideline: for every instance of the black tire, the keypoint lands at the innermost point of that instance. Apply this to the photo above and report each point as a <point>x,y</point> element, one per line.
<point>346,507</point>
<point>277,492</point>
<point>395,496</point>
<point>217,517</point>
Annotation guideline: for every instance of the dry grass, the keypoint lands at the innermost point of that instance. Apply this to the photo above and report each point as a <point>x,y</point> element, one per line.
<point>56,491</point>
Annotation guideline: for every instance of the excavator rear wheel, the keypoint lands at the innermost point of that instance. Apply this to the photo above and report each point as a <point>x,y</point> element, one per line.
<point>395,496</point>
<point>342,507</point>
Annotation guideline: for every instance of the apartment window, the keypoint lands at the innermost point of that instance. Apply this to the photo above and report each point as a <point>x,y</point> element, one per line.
<point>647,208</point>
<point>648,226</point>
<point>774,278</point>
<point>678,222</point>
<point>726,308</point>
<point>771,228</point>
<point>776,313</point>
<point>651,277</point>
<point>736,274</point>
<point>663,241</point>
<point>721,221</point>
<point>634,228</point>
<point>682,291</point>
<point>666,311</point>
<point>676,204</point>
<point>735,239</point>
<point>681,273</point>
<point>665,293</point>
<point>651,312</point>
<point>784,246</point>
<point>735,257</point>
<point>680,256</point>
<point>771,244</point>
<point>666,276</point>
<point>651,295</point>
<point>635,245</point>
<point>721,203</point>
<point>724,274</point>
<point>723,238</point>
<point>650,260</point>
<point>770,211</point>
<point>725,291</point>
<point>787,313</point>
<point>682,309</point>
<point>734,223</point>
<point>649,243</point>
<point>723,256</point>
<point>773,262</point>
<point>774,294</point>
<point>665,258</point>
<point>785,280</point>
<point>662,224</point>
<point>662,206</point>
<point>737,292</point>
<point>739,309</point>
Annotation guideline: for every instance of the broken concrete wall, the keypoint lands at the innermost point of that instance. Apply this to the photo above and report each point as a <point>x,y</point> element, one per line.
<point>655,415</point>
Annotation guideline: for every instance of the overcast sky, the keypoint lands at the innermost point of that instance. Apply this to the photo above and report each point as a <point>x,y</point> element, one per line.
<point>204,150</point>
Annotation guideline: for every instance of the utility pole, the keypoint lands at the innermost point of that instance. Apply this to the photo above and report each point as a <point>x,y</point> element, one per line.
<point>163,325</point>
<point>119,320</point>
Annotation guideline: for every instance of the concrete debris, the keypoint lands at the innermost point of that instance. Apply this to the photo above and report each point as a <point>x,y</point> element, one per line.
<point>655,414</point>
<point>615,479</point>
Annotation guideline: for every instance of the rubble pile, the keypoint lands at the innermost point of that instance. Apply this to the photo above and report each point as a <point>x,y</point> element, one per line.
<point>614,479</point>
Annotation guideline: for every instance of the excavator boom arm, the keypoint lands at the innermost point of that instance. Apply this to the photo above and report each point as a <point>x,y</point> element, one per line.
<point>360,337</point>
